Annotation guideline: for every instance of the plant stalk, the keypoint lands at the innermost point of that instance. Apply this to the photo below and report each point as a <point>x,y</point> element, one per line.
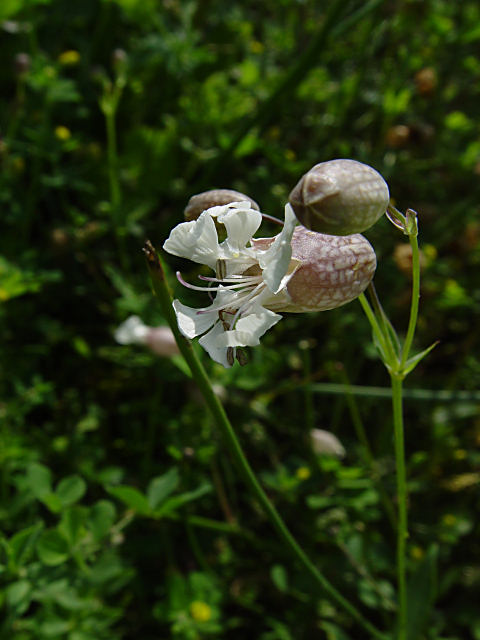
<point>161,290</point>
<point>402,524</point>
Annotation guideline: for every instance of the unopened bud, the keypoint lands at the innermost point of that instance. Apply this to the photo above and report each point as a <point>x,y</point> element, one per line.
<point>119,57</point>
<point>215,197</point>
<point>426,81</point>
<point>334,270</point>
<point>162,341</point>
<point>340,197</point>
<point>22,63</point>
<point>398,136</point>
<point>159,339</point>
<point>326,443</point>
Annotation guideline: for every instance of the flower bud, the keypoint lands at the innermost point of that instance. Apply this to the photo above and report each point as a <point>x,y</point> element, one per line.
<point>334,270</point>
<point>202,201</point>
<point>160,340</point>
<point>426,81</point>
<point>340,197</point>
<point>22,63</point>
<point>326,443</point>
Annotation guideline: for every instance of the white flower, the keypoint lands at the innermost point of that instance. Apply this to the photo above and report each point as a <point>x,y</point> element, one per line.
<point>297,271</point>
<point>250,282</point>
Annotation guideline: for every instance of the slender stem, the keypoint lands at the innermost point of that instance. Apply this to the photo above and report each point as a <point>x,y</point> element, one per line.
<point>402,526</point>
<point>415,299</point>
<point>199,374</point>
<point>115,194</point>
<point>109,108</point>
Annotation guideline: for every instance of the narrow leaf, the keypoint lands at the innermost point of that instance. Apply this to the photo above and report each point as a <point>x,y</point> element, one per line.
<point>412,362</point>
<point>421,592</point>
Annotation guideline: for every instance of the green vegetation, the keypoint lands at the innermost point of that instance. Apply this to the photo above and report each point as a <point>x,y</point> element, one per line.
<point>122,513</point>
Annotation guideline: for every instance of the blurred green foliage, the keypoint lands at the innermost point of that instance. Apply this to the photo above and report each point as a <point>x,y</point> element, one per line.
<point>121,515</point>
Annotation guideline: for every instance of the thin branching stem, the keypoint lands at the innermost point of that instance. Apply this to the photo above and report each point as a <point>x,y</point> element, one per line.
<point>415,299</point>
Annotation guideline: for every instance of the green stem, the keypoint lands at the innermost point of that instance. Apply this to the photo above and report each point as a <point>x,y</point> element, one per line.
<point>402,526</point>
<point>199,374</point>
<point>412,323</point>
<point>115,194</point>
<point>109,108</point>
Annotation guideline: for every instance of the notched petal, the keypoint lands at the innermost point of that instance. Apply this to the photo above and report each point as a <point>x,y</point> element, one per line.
<point>192,323</point>
<point>197,241</point>
<point>210,342</point>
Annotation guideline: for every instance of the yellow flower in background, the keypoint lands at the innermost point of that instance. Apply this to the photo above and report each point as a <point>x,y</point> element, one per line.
<point>417,553</point>
<point>69,58</point>
<point>303,473</point>
<point>256,46</point>
<point>200,611</point>
<point>63,133</point>
<point>449,519</point>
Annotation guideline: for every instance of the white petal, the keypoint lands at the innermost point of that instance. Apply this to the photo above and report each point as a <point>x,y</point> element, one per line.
<point>221,209</point>
<point>196,240</point>
<point>210,343</point>
<point>240,224</point>
<point>249,329</point>
<point>132,331</point>
<point>192,323</point>
<point>276,259</point>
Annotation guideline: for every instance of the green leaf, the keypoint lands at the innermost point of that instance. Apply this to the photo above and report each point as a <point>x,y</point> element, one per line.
<point>21,545</point>
<point>421,592</point>
<point>161,487</point>
<point>172,504</point>
<point>17,593</point>
<point>279,577</point>
<point>102,517</point>
<point>52,548</point>
<point>8,8</point>
<point>70,490</point>
<point>39,480</point>
<point>71,524</point>
<point>132,497</point>
<point>412,362</point>
<point>332,632</point>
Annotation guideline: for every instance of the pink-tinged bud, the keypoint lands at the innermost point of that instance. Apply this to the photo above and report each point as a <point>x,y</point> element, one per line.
<point>22,63</point>
<point>215,197</point>
<point>326,443</point>
<point>334,270</point>
<point>161,341</point>
<point>340,197</point>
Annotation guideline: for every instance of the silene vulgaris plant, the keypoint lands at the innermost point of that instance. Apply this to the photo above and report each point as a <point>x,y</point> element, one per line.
<point>318,261</point>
